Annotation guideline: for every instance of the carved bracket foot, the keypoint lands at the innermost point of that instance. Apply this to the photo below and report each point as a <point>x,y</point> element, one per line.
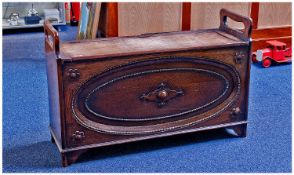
<point>238,130</point>
<point>52,139</point>
<point>70,157</point>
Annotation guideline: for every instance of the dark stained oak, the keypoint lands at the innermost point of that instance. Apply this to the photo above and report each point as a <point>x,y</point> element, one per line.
<point>124,89</point>
<point>149,43</point>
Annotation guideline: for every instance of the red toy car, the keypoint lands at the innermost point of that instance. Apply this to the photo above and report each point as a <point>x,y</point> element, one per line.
<point>276,51</point>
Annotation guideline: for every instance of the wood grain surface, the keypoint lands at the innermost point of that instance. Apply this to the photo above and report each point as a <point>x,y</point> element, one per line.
<point>206,15</point>
<point>274,14</point>
<point>115,73</point>
<point>138,18</point>
<point>145,43</point>
<point>96,20</point>
<point>260,36</point>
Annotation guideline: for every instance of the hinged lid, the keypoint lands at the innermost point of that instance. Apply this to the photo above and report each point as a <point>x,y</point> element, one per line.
<point>225,36</point>
<point>149,43</point>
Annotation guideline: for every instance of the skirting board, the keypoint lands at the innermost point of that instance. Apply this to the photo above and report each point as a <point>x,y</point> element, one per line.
<point>260,36</point>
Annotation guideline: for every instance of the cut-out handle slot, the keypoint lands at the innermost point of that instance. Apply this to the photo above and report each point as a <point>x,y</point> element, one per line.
<point>51,38</point>
<point>243,34</point>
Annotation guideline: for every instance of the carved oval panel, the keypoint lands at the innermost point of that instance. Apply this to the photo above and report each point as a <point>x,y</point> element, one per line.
<point>155,95</point>
<point>136,96</point>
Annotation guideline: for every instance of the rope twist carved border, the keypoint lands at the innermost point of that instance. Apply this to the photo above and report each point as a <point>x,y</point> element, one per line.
<point>229,104</point>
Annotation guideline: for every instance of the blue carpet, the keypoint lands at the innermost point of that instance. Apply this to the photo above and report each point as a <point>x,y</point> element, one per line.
<point>26,138</point>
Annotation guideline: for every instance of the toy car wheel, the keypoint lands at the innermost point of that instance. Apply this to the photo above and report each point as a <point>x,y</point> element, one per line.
<point>266,62</point>
<point>254,60</point>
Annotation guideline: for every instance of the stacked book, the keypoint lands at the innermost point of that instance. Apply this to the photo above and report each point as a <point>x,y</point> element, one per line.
<point>89,20</point>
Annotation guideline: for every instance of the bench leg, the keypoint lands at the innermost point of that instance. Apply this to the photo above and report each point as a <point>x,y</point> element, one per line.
<point>238,130</point>
<point>52,139</point>
<point>70,157</point>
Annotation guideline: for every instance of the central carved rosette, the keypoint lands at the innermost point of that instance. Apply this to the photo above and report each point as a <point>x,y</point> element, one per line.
<point>161,95</point>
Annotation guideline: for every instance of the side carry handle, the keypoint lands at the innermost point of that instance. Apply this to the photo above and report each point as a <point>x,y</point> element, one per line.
<point>51,38</point>
<point>245,34</point>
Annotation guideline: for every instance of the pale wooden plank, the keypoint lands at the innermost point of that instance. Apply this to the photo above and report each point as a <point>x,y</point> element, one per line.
<point>274,14</point>
<point>144,44</point>
<point>206,15</point>
<point>138,18</point>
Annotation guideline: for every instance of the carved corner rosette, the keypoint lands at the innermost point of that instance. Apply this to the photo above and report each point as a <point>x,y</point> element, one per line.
<point>78,136</point>
<point>161,95</point>
<point>239,57</point>
<point>236,111</point>
<point>73,73</point>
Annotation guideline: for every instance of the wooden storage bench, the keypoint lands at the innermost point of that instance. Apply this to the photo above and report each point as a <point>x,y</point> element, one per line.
<point>115,90</point>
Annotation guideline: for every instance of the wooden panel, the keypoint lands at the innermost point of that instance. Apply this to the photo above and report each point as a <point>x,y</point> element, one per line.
<point>260,36</point>
<point>272,32</point>
<point>149,43</point>
<point>206,15</point>
<point>274,14</point>
<point>54,81</point>
<point>92,69</point>
<point>138,18</point>
<point>200,77</point>
<point>261,44</point>
<point>156,95</point>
